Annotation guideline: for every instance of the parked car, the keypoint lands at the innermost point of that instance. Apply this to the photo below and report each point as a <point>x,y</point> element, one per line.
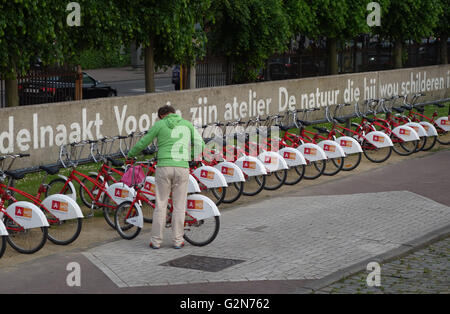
<point>60,88</point>
<point>176,77</point>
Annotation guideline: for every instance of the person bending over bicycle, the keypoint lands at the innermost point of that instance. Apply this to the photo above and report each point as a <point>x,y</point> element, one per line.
<point>175,137</point>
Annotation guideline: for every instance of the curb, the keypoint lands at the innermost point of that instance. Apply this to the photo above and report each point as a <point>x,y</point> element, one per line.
<point>403,250</point>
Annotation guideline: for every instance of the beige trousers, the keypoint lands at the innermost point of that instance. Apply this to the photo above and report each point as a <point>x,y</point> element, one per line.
<point>170,180</point>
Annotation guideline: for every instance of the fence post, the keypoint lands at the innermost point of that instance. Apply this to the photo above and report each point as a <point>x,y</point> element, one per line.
<point>79,84</point>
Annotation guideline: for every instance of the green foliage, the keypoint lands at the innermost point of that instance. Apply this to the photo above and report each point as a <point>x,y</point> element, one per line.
<point>248,32</point>
<point>97,59</point>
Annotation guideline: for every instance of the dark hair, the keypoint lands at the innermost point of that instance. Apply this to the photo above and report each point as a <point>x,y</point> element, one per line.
<point>165,110</point>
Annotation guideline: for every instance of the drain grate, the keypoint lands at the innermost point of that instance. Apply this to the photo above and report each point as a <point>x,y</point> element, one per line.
<point>204,263</point>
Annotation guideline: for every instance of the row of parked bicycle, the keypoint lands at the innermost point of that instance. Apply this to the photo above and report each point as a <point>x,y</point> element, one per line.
<point>240,158</point>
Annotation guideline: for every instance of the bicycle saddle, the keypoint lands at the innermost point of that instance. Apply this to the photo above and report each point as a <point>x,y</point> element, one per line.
<point>115,162</point>
<point>398,109</point>
<point>16,175</point>
<point>368,119</point>
<point>305,123</point>
<point>407,107</point>
<point>340,120</point>
<point>320,129</point>
<point>439,105</point>
<point>50,170</point>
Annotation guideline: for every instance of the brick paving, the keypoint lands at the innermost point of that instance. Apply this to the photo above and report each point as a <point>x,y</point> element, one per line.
<point>283,238</point>
<point>424,271</point>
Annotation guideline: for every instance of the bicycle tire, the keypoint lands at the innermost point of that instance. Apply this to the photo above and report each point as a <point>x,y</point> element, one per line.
<point>314,169</point>
<point>84,196</point>
<point>443,136</point>
<point>108,213</point>
<point>121,225</point>
<point>296,173</point>
<point>214,221</point>
<point>219,194</point>
<point>58,189</point>
<point>2,245</point>
<point>431,142</point>
<point>234,192</point>
<point>337,164</point>
<point>280,177</point>
<point>260,181</point>
<point>59,224</point>
<point>351,161</point>
<point>369,150</point>
<point>39,235</point>
<point>403,148</point>
<point>421,143</point>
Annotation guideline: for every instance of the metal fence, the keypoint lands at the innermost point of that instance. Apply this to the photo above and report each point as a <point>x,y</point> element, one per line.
<point>213,72</point>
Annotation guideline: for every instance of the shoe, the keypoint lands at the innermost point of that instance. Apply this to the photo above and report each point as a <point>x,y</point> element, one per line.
<point>178,246</point>
<point>153,246</point>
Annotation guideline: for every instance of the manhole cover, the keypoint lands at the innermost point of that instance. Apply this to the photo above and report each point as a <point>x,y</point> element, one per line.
<point>204,263</point>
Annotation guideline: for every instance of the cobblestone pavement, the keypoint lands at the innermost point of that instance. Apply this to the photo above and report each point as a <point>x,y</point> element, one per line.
<point>283,238</point>
<point>424,271</point>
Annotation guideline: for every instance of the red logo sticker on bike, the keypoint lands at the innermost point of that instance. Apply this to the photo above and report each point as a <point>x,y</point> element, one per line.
<point>405,132</point>
<point>24,212</point>
<point>207,174</point>
<point>249,164</point>
<point>445,122</point>
<point>121,193</point>
<point>149,187</point>
<point>61,206</point>
<point>270,160</point>
<point>310,151</point>
<point>329,148</point>
<point>288,155</point>
<point>345,143</point>
<point>195,204</point>
<point>426,127</point>
<point>227,171</point>
<point>379,139</point>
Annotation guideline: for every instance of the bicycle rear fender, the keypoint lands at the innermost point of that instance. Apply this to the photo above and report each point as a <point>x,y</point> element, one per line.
<point>210,177</point>
<point>406,133</point>
<point>201,207</point>
<point>349,145</point>
<point>251,166</point>
<point>292,156</point>
<point>379,139</point>
<point>120,192</point>
<point>429,128</point>
<point>331,149</point>
<point>230,171</point>
<point>443,123</point>
<point>26,214</point>
<point>418,128</point>
<point>273,161</point>
<point>74,194</point>
<point>312,152</point>
<point>3,231</point>
<point>62,206</point>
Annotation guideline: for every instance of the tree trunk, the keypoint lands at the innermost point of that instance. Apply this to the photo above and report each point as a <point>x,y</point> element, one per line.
<point>398,48</point>
<point>444,52</point>
<point>332,56</point>
<point>11,92</point>
<point>149,68</point>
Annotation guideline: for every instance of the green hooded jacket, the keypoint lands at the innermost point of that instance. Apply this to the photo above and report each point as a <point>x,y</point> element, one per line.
<point>176,137</point>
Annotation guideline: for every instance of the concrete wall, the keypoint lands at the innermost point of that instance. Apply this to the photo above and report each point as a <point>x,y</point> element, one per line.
<point>41,129</point>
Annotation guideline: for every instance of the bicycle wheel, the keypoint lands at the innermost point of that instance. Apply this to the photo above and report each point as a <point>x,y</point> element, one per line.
<point>201,232</point>
<point>431,141</point>
<point>123,212</point>
<point>109,211</point>
<point>219,194</point>
<point>85,197</point>
<point>421,143</point>
<point>56,186</point>
<point>403,148</point>
<point>2,245</point>
<point>254,185</point>
<point>295,175</point>
<point>333,166</point>
<point>351,161</point>
<point>63,232</point>
<point>375,154</point>
<point>25,241</point>
<point>275,179</point>
<point>234,192</point>
<point>314,169</point>
<point>443,136</point>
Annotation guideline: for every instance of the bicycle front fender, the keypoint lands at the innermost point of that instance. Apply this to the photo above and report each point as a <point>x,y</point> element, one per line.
<point>62,206</point>
<point>379,139</point>
<point>420,130</point>
<point>312,152</point>
<point>273,161</point>
<point>201,207</point>
<point>429,128</point>
<point>292,156</point>
<point>120,192</point>
<point>251,166</point>
<point>27,215</point>
<point>443,123</point>
<point>349,145</point>
<point>3,231</point>
<point>331,149</point>
<point>210,177</point>
<point>230,171</point>
<point>72,187</point>
<point>406,133</point>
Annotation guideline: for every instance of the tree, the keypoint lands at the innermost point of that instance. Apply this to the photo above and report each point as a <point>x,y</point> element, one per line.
<point>409,19</point>
<point>167,32</point>
<point>248,32</point>
<point>442,31</point>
